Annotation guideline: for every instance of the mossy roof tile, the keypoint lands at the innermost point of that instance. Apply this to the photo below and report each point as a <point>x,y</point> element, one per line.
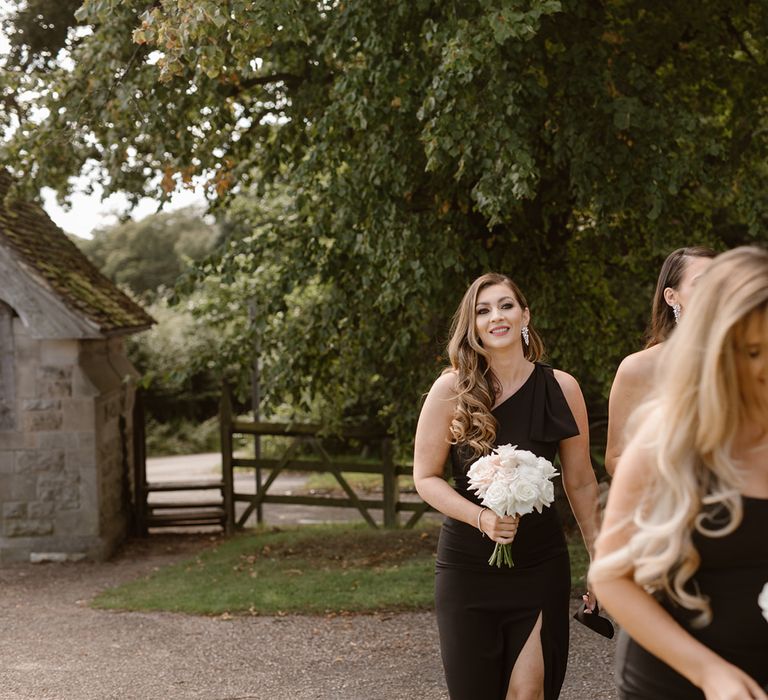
<point>55,261</point>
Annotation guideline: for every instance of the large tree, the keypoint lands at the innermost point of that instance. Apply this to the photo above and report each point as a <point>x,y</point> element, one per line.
<point>410,145</point>
<point>150,255</point>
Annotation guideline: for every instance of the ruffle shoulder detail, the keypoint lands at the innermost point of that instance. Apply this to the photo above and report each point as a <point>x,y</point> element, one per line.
<point>551,419</point>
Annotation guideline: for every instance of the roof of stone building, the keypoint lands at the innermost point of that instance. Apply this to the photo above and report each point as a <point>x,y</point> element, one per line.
<point>46,253</point>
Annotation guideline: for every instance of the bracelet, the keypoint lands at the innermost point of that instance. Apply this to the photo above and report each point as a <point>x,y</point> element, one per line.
<point>479,515</point>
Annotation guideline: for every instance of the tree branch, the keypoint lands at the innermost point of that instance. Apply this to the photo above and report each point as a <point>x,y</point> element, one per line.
<point>235,89</point>
<point>736,34</point>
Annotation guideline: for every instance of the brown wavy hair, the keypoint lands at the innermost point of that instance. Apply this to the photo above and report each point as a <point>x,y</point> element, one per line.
<point>671,275</point>
<point>476,386</point>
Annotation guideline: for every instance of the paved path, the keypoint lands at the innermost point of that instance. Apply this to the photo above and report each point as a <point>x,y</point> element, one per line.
<point>53,646</point>
<point>208,466</point>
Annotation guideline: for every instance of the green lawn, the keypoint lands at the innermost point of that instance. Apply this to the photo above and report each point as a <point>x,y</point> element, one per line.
<point>361,482</point>
<point>309,570</point>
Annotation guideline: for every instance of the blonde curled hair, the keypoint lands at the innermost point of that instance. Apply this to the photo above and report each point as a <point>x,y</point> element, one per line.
<point>686,432</point>
<point>476,386</point>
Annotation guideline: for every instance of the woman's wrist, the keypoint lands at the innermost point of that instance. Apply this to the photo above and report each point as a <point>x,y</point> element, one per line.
<point>479,519</point>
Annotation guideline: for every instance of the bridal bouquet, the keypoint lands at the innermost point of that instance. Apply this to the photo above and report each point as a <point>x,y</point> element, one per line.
<point>762,601</point>
<point>512,482</point>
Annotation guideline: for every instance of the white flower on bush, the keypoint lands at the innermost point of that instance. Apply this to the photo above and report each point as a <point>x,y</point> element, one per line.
<point>762,601</point>
<point>512,482</point>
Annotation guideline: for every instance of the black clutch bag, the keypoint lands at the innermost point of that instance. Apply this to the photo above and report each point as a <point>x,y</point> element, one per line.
<point>601,625</point>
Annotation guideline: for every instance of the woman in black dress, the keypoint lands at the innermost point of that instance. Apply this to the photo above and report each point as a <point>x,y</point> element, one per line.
<point>503,631</point>
<point>682,560</point>
<point>634,378</point>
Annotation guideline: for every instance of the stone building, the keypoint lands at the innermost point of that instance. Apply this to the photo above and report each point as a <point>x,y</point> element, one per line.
<point>66,394</point>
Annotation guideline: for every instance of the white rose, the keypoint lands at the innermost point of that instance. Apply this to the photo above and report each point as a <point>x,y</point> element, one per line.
<point>530,472</point>
<point>546,495</point>
<point>762,601</point>
<point>481,465</point>
<point>527,459</point>
<point>496,498</point>
<point>523,494</point>
<point>511,481</point>
<point>548,492</point>
<point>547,470</point>
<point>482,474</point>
<point>507,475</point>
<point>506,451</point>
<point>508,456</point>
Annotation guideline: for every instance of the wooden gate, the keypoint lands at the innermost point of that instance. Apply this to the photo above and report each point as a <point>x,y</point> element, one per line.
<point>306,443</point>
<point>184,510</point>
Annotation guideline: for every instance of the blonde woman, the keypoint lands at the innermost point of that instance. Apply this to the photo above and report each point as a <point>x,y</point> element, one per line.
<point>677,280</point>
<point>683,554</point>
<point>503,631</point>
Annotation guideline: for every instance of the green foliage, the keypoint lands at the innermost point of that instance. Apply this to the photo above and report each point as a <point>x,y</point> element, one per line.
<point>181,378</point>
<point>180,436</point>
<point>375,157</point>
<point>151,254</point>
<point>38,31</point>
<point>178,357</point>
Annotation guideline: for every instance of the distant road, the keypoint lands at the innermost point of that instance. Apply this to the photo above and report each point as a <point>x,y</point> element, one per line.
<point>207,466</point>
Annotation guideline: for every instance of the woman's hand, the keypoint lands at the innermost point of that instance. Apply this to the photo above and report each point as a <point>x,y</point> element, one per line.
<point>723,681</point>
<point>590,602</point>
<point>501,530</point>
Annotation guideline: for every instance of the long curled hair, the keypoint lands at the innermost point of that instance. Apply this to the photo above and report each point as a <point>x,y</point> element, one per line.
<point>476,386</point>
<point>671,275</point>
<point>686,431</point>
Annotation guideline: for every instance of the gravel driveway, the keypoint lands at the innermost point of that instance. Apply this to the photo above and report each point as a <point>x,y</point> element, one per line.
<point>53,646</point>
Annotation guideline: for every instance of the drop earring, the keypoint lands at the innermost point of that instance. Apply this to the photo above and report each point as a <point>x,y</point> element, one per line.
<point>526,337</point>
<point>676,312</point>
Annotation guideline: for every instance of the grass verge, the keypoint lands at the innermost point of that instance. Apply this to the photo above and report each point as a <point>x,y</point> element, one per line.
<point>309,570</point>
<point>321,482</point>
<point>312,569</point>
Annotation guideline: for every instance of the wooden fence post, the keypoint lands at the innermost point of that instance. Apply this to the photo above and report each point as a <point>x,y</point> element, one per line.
<point>139,465</point>
<point>225,426</point>
<point>391,484</point>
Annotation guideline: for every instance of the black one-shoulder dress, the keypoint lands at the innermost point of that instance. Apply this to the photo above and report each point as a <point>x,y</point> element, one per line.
<point>485,614</point>
<point>732,574</point>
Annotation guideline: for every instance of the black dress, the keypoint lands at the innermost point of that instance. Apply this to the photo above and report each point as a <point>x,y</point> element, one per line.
<point>485,614</point>
<point>732,574</point>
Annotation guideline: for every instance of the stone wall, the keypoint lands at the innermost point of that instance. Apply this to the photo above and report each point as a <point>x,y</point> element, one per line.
<point>108,369</point>
<point>65,467</point>
<point>7,372</point>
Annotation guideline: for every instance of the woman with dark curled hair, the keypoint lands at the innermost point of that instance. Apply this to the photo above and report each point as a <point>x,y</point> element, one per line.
<point>677,280</point>
<point>682,558</point>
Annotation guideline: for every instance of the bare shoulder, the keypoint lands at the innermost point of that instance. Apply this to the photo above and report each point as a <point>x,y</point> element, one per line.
<point>638,367</point>
<point>439,405</point>
<point>568,384</point>
<point>444,386</point>
<point>634,378</point>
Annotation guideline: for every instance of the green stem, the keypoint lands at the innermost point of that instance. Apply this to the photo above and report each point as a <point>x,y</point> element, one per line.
<point>502,554</point>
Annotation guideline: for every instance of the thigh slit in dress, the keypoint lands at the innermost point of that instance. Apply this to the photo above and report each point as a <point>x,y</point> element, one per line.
<point>486,614</point>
